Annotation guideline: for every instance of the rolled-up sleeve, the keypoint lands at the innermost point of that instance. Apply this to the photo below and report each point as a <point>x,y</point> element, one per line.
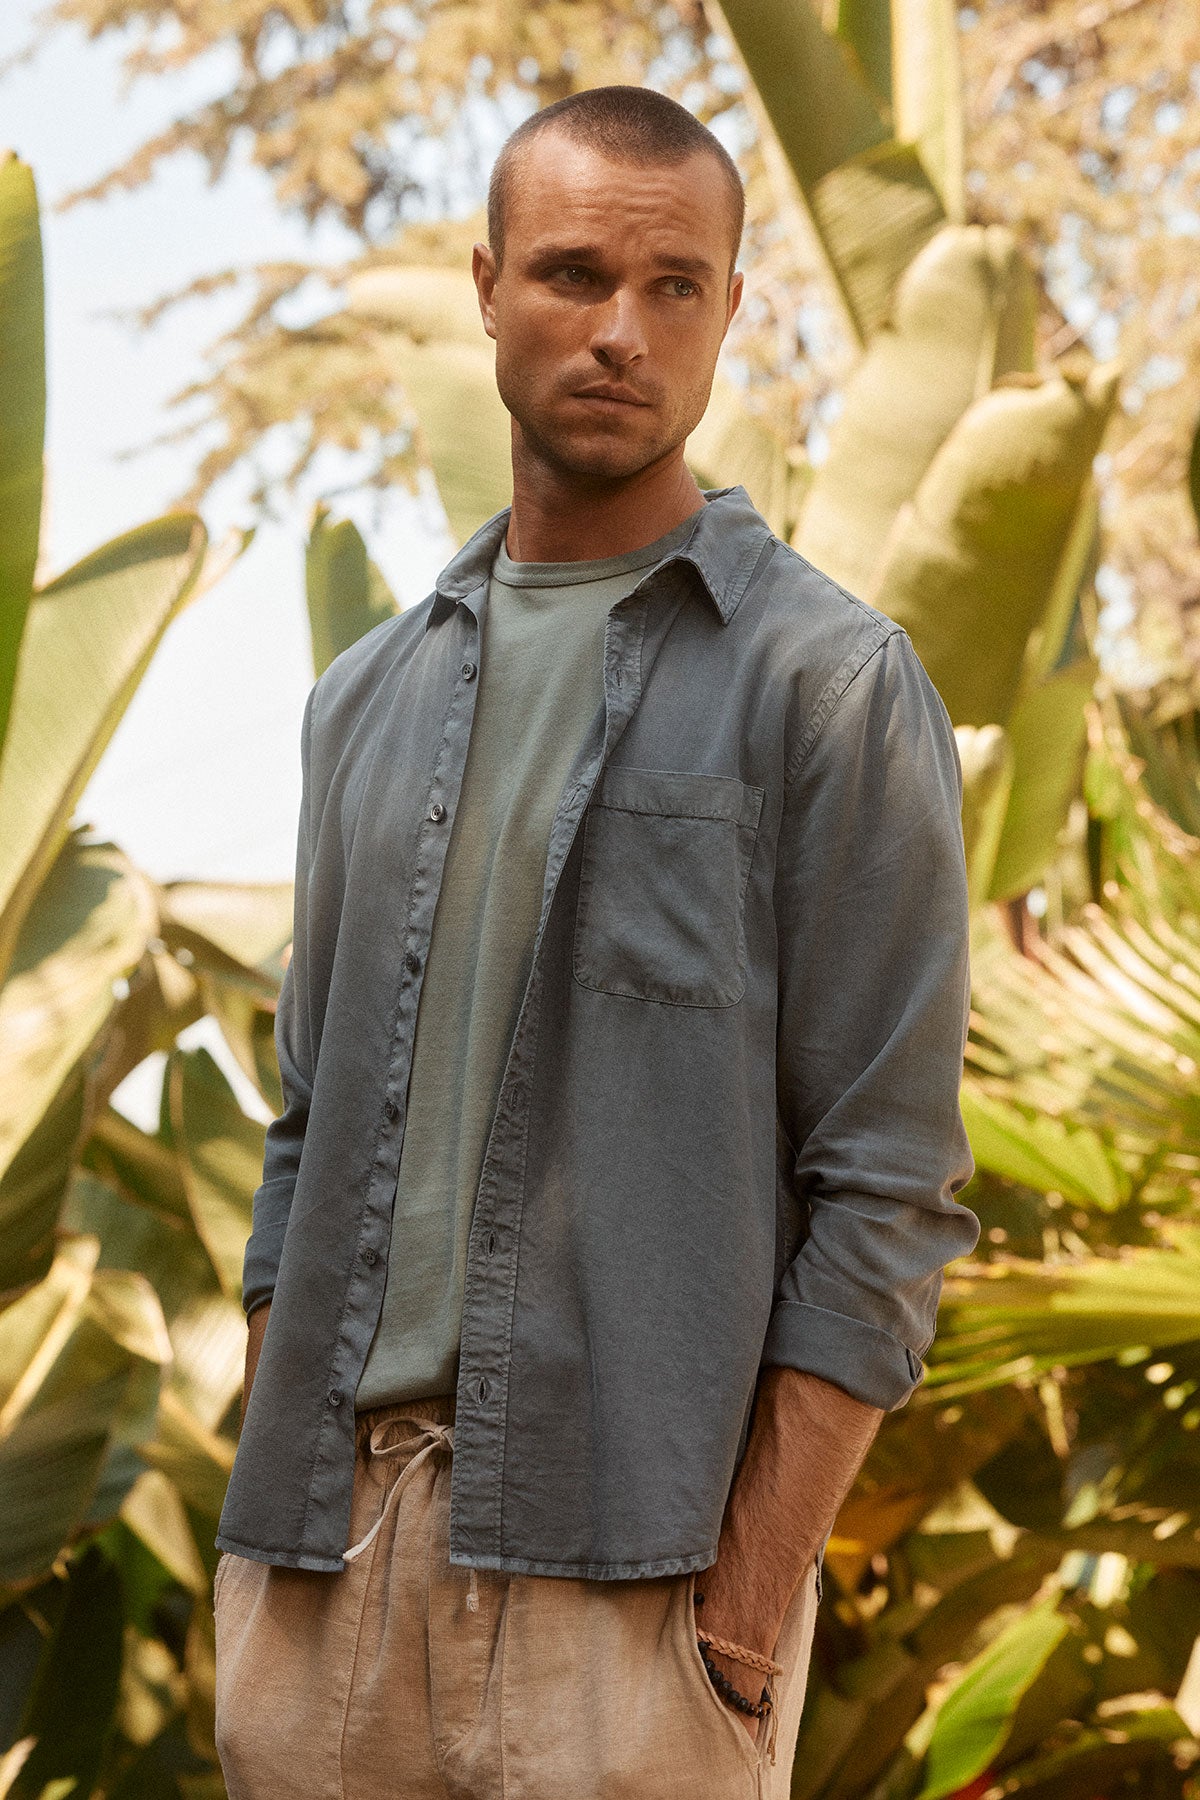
<point>874,992</point>
<point>293,1047</point>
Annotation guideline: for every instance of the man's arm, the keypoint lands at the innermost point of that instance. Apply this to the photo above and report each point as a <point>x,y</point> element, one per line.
<point>256,1326</point>
<point>807,1441</point>
<point>871,904</point>
<point>294,1052</point>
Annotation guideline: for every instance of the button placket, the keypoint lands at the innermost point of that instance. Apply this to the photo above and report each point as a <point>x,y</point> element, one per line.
<point>479,1441</point>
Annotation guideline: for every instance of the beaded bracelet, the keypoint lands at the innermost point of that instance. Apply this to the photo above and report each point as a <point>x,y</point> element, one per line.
<point>737,1653</point>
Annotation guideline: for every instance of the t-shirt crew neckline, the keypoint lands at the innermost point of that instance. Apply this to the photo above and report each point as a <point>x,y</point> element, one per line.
<point>603,568</point>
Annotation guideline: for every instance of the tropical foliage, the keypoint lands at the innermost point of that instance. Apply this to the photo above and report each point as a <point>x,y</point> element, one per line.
<point>1013,1600</point>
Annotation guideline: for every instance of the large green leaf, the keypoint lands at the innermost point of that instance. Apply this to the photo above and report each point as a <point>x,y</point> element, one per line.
<point>962,316</point>
<point>221,1155</point>
<point>23,412</point>
<point>71,1352</point>
<point>986,759</point>
<point>733,447</point>
<point>71,1708</point>
<point>464,427</point>
<point>89,929</point>
<point>870,198</point>
<point>927,92</point>
<point>346,593</point>
<point>446,364</point>
<point>971,562</point>
<point>235,937</point>
<point>88,640</point>
<point>975,1718</point>
<point>198,1460</point>
<point>1048,732</point>
<point>154,1512</point>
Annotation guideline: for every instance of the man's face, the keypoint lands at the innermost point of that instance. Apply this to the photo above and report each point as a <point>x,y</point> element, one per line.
<point>611,304</point>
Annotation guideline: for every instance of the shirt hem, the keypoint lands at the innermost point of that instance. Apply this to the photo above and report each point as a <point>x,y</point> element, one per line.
<point>590,1571</point>
<point>284,1559</point>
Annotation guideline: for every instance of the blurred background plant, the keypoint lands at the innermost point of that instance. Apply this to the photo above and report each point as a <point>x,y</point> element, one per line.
<point>1013,1603</point>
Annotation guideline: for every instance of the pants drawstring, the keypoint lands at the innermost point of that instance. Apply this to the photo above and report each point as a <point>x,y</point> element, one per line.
<point>473,1591</point>
<point>425,1442</point>
<point>774,1720</point>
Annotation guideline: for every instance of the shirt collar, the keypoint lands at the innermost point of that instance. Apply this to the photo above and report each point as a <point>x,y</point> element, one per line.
<point>723,550</point>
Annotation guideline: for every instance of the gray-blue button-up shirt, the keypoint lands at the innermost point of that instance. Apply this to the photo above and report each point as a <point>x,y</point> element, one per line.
<point>728,1132</point>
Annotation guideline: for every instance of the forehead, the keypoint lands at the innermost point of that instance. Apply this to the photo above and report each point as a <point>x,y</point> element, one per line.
<point>569,192</point>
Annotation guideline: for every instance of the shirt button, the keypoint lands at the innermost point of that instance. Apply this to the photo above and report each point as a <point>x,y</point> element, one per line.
<point>437,812</point>
<point>482,1389</point>
<point>469,671</point>
<point>412,962</point>
<point>370,1254</point>
<point>391,1112</point>
<point>335,1399</point>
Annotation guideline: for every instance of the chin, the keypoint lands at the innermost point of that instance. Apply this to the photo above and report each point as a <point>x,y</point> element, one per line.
<point>604,459</point>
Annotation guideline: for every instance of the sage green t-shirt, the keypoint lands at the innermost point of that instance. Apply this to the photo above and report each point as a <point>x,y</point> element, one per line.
<point>541,682</point>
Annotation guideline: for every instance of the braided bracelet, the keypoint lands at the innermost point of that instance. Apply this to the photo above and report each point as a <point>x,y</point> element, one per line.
<point>736,1653</point>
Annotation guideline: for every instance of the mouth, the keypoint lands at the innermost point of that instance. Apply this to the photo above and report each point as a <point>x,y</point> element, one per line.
<point>611,394</point>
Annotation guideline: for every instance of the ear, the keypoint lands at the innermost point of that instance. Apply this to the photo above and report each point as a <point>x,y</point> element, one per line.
<point>483,271</point>
<point>736,284</point>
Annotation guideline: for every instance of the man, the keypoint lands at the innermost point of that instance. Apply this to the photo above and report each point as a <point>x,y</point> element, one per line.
<point>620,1044</point>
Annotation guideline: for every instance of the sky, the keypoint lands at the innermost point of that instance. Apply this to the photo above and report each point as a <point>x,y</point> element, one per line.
<point>202,779</point>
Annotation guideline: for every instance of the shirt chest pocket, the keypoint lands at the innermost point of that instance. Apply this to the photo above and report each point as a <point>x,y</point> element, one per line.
<point>662,887</point>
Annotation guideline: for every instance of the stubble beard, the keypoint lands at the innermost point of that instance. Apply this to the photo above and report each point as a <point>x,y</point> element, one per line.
<point>599,458</point>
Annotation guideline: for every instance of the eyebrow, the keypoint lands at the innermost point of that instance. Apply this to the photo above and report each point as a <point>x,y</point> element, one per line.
<point>588,253</point>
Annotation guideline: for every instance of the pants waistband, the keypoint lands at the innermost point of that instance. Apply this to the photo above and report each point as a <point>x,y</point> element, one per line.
<point>438,1407</point>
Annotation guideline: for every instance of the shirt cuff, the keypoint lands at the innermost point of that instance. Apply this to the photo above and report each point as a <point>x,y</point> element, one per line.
<point>865,1361</point>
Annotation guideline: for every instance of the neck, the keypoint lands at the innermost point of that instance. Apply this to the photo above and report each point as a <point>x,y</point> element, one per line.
<point>559,517</point>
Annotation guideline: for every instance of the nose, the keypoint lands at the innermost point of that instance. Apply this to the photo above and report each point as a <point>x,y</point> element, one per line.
<point>619,338</point>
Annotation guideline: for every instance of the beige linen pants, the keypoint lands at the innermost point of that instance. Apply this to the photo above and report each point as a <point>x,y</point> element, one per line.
<point>405,1677</point>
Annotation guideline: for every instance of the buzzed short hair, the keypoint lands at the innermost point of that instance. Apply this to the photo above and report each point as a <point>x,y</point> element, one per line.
<point>627,124</point>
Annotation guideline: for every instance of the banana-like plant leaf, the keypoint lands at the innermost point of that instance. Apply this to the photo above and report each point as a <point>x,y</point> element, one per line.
<point>974,1720</point>
<point>927,93</point>
<point>209,1336</point>
<point>1044,649</point>
<point>70,1358</point>
<point>1048,732</point>
<point>236,938</point>
<point>1014,1318</point>
<point>870,198</point>
<point>427,303</point>
<point>162,1247</point>
<point>962,316</point>
<point>986,758</point>
<point>154,1512</point>
<point>346,593</point>
<point>23,416</point>
<point>731,447</point>
<point>94,915</point>
<point>196,1459</point>
<point>446,365</point>
<point>221,1153</point>
<point>141,1168</point>
<point>88,640</point>
<point>971,563</point>
<point>33,1187</point>
<point>71,1707</point>
<point>248,924</point>
<point>463,425</point>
